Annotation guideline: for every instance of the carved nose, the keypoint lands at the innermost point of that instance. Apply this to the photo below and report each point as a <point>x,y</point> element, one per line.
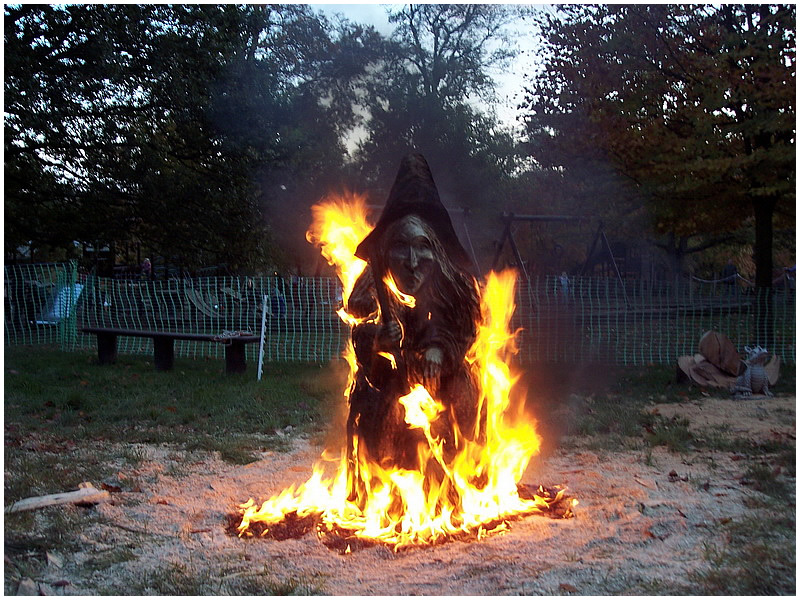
<point>412,259</point>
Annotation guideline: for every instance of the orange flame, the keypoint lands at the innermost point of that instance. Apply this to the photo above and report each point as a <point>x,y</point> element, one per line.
<point>339,225</point>
<point>404,299</point>
<point>402,507</point>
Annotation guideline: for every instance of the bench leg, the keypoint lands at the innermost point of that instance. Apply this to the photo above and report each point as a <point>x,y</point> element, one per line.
<point>235,358</point>
<point>106,348</point>
<point>163,353</point>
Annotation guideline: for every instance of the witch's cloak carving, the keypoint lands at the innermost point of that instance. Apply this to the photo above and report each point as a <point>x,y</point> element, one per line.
<point>414,243</point>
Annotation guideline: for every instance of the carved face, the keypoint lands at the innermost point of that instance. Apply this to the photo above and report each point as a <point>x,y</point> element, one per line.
<point>409,254</point>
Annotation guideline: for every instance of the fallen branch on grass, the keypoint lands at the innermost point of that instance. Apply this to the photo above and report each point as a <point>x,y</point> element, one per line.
<point>85,494</point>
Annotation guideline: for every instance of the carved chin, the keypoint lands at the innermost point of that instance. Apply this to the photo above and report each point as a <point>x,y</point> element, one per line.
<point>410,284</point>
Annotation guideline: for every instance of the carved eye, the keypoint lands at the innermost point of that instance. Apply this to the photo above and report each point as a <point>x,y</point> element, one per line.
<point>398,249</point>
<point>422,244</point>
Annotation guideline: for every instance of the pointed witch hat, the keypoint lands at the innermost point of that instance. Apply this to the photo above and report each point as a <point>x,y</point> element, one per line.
<point>414,192</point>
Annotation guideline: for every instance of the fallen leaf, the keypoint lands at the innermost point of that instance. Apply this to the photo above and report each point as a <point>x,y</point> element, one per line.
<point>565,587</point>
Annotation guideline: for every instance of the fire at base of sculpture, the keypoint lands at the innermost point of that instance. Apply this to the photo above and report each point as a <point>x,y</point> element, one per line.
<point>553,503</point>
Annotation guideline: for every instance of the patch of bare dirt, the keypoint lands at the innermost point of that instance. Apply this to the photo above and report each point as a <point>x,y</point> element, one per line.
<point>640,527</point>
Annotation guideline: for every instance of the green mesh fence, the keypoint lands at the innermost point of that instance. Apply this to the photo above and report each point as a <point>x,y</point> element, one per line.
<point>300,325</point>
<point>645,322</point>
<point>41,303</point>
<point>595,319</point>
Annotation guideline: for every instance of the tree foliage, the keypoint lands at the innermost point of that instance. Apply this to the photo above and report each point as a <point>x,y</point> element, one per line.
<point>169,124</point>
<point>688,107</point>
<point>421,98</point>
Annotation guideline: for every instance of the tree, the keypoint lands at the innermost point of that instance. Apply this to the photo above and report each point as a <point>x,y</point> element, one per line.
<point>693,105</point>
<point>169,124</point>
<point>439,58</point>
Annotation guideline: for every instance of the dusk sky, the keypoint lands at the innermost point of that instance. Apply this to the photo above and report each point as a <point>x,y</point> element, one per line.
<point>510,81</point>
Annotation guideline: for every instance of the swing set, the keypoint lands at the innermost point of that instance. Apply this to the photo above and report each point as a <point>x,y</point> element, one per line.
<point>605,253</point>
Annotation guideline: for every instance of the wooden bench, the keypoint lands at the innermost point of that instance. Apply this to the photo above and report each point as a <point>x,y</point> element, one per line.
<point>164,347</point>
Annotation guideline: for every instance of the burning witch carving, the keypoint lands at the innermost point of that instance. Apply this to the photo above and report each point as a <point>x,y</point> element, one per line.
<point>429,309</point>
<point>436,445</point>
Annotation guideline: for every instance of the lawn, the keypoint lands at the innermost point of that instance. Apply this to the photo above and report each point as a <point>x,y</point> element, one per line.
<point>152,436</point>
<point>59,399</point>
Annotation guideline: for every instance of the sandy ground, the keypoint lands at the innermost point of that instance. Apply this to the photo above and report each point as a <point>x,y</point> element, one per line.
<point>640,526</point>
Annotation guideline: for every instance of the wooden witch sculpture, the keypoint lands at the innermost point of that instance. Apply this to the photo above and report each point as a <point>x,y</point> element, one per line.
<point>413,242</point>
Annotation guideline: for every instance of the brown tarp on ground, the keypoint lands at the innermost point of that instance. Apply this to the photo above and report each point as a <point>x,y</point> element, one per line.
<point>718,364</point>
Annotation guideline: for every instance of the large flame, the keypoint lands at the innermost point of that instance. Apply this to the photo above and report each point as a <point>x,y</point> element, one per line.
<point>407,507</point>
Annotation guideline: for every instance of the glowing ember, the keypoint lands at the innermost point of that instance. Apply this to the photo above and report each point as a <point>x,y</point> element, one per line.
<point>470,493</point>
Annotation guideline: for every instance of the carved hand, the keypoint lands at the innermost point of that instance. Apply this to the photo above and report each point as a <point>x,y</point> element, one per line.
<point>432,368</point>
<point>389,335</point>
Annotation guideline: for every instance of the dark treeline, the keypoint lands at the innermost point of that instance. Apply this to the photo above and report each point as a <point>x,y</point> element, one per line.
<point>203,133</point>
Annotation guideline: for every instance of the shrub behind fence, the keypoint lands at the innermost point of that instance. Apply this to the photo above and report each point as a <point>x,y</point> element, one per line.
<point>591,319</point>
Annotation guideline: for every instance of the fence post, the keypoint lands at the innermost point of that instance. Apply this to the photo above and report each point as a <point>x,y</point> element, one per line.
<point>265,299</point>
<point>68,324</point>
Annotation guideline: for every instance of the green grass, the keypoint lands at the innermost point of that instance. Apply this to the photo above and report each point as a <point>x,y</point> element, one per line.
<point>58,405</point>
<point>179,579</point>
<point>758,557</point>
<point>68,396</point>
<point>673,433</point>
<point>69,420</point>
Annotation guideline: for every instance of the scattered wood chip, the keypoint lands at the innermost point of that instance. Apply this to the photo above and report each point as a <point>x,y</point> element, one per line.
<point>54,559</point>
<point>565,587</point>
<point>27,587</point>
<point>45,590</point>
<point>673,476</point>
<point>647,484</point>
